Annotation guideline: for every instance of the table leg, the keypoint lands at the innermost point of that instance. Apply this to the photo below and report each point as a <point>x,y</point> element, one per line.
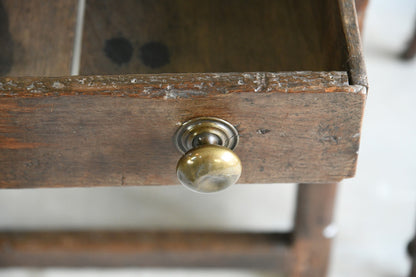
<point>313,229</point>
<point>411,248</point>
<point>410,51</point>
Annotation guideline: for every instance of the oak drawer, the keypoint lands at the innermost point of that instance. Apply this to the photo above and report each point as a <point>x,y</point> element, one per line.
<point>288,75</point>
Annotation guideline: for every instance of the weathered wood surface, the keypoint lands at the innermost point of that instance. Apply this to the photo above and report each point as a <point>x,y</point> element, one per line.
<point>118,130</point>
<point>313,219</point>
<point>212,36</point>
<point>356,66</point>
<point>36,38</point>
<point>161,249</point>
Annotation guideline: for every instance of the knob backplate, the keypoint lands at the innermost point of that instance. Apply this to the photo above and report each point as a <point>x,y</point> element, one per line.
<point>225,134</point>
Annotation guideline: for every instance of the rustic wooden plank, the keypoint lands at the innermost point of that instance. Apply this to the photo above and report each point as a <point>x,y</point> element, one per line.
<point>211,36</point>
<point>177,85</point>
<point>145,248</point>
<point>112,131</point>
<point>312,231</point>
<point>36,38</point>
<point>356,66</point>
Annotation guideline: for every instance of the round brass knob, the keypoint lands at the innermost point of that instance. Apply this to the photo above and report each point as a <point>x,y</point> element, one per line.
<point>209,164</point>
<point>209,168</point>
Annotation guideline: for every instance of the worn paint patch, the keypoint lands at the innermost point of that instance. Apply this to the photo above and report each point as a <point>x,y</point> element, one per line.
<point>156,86</point>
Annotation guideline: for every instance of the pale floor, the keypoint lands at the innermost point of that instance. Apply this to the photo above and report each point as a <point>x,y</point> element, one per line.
<point>375,214</point>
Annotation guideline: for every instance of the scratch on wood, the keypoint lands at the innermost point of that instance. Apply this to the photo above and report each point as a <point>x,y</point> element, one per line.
<point>261,82</point>
<point>262,131</point>
<point>57,85</point>
<point>333,139</point>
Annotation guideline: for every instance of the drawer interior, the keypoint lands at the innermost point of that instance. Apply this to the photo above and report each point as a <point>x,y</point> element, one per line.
<point>181,36</point>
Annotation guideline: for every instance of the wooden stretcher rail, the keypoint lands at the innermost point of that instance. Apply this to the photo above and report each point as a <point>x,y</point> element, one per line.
<point>162,249</point>
<point>302,252</point>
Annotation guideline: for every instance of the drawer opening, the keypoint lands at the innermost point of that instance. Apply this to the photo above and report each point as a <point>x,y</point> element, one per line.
<point>183,36</point>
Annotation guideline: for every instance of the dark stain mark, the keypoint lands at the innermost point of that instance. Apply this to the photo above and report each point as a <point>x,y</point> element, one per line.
<point>6,42</point>
<point>261,168</point>
<point>326,134</point>
<point>333,139</point>
<point>251,101</point>
<point>118,50</point>
<point>263,131</point>
<point>154,54</point>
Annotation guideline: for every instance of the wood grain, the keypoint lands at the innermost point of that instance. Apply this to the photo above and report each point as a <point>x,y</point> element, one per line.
<point>311,249</point>
<point>118,130</point>
<point>356,65</point>
<point>145,248</point>
<point>36,39</point>
<point>212,36</point>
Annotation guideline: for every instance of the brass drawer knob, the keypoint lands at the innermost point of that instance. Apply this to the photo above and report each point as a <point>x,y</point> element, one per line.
<point>209,164</point>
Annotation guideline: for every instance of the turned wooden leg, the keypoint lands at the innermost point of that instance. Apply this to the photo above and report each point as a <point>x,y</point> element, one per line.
<point>410,51</point>
<point>313,220</point>
<point>411,248</point>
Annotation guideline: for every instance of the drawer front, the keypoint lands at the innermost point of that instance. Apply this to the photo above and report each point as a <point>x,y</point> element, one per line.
<point>118,130</point>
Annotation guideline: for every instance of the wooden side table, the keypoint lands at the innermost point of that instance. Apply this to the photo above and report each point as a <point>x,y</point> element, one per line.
<point>288,75</point>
